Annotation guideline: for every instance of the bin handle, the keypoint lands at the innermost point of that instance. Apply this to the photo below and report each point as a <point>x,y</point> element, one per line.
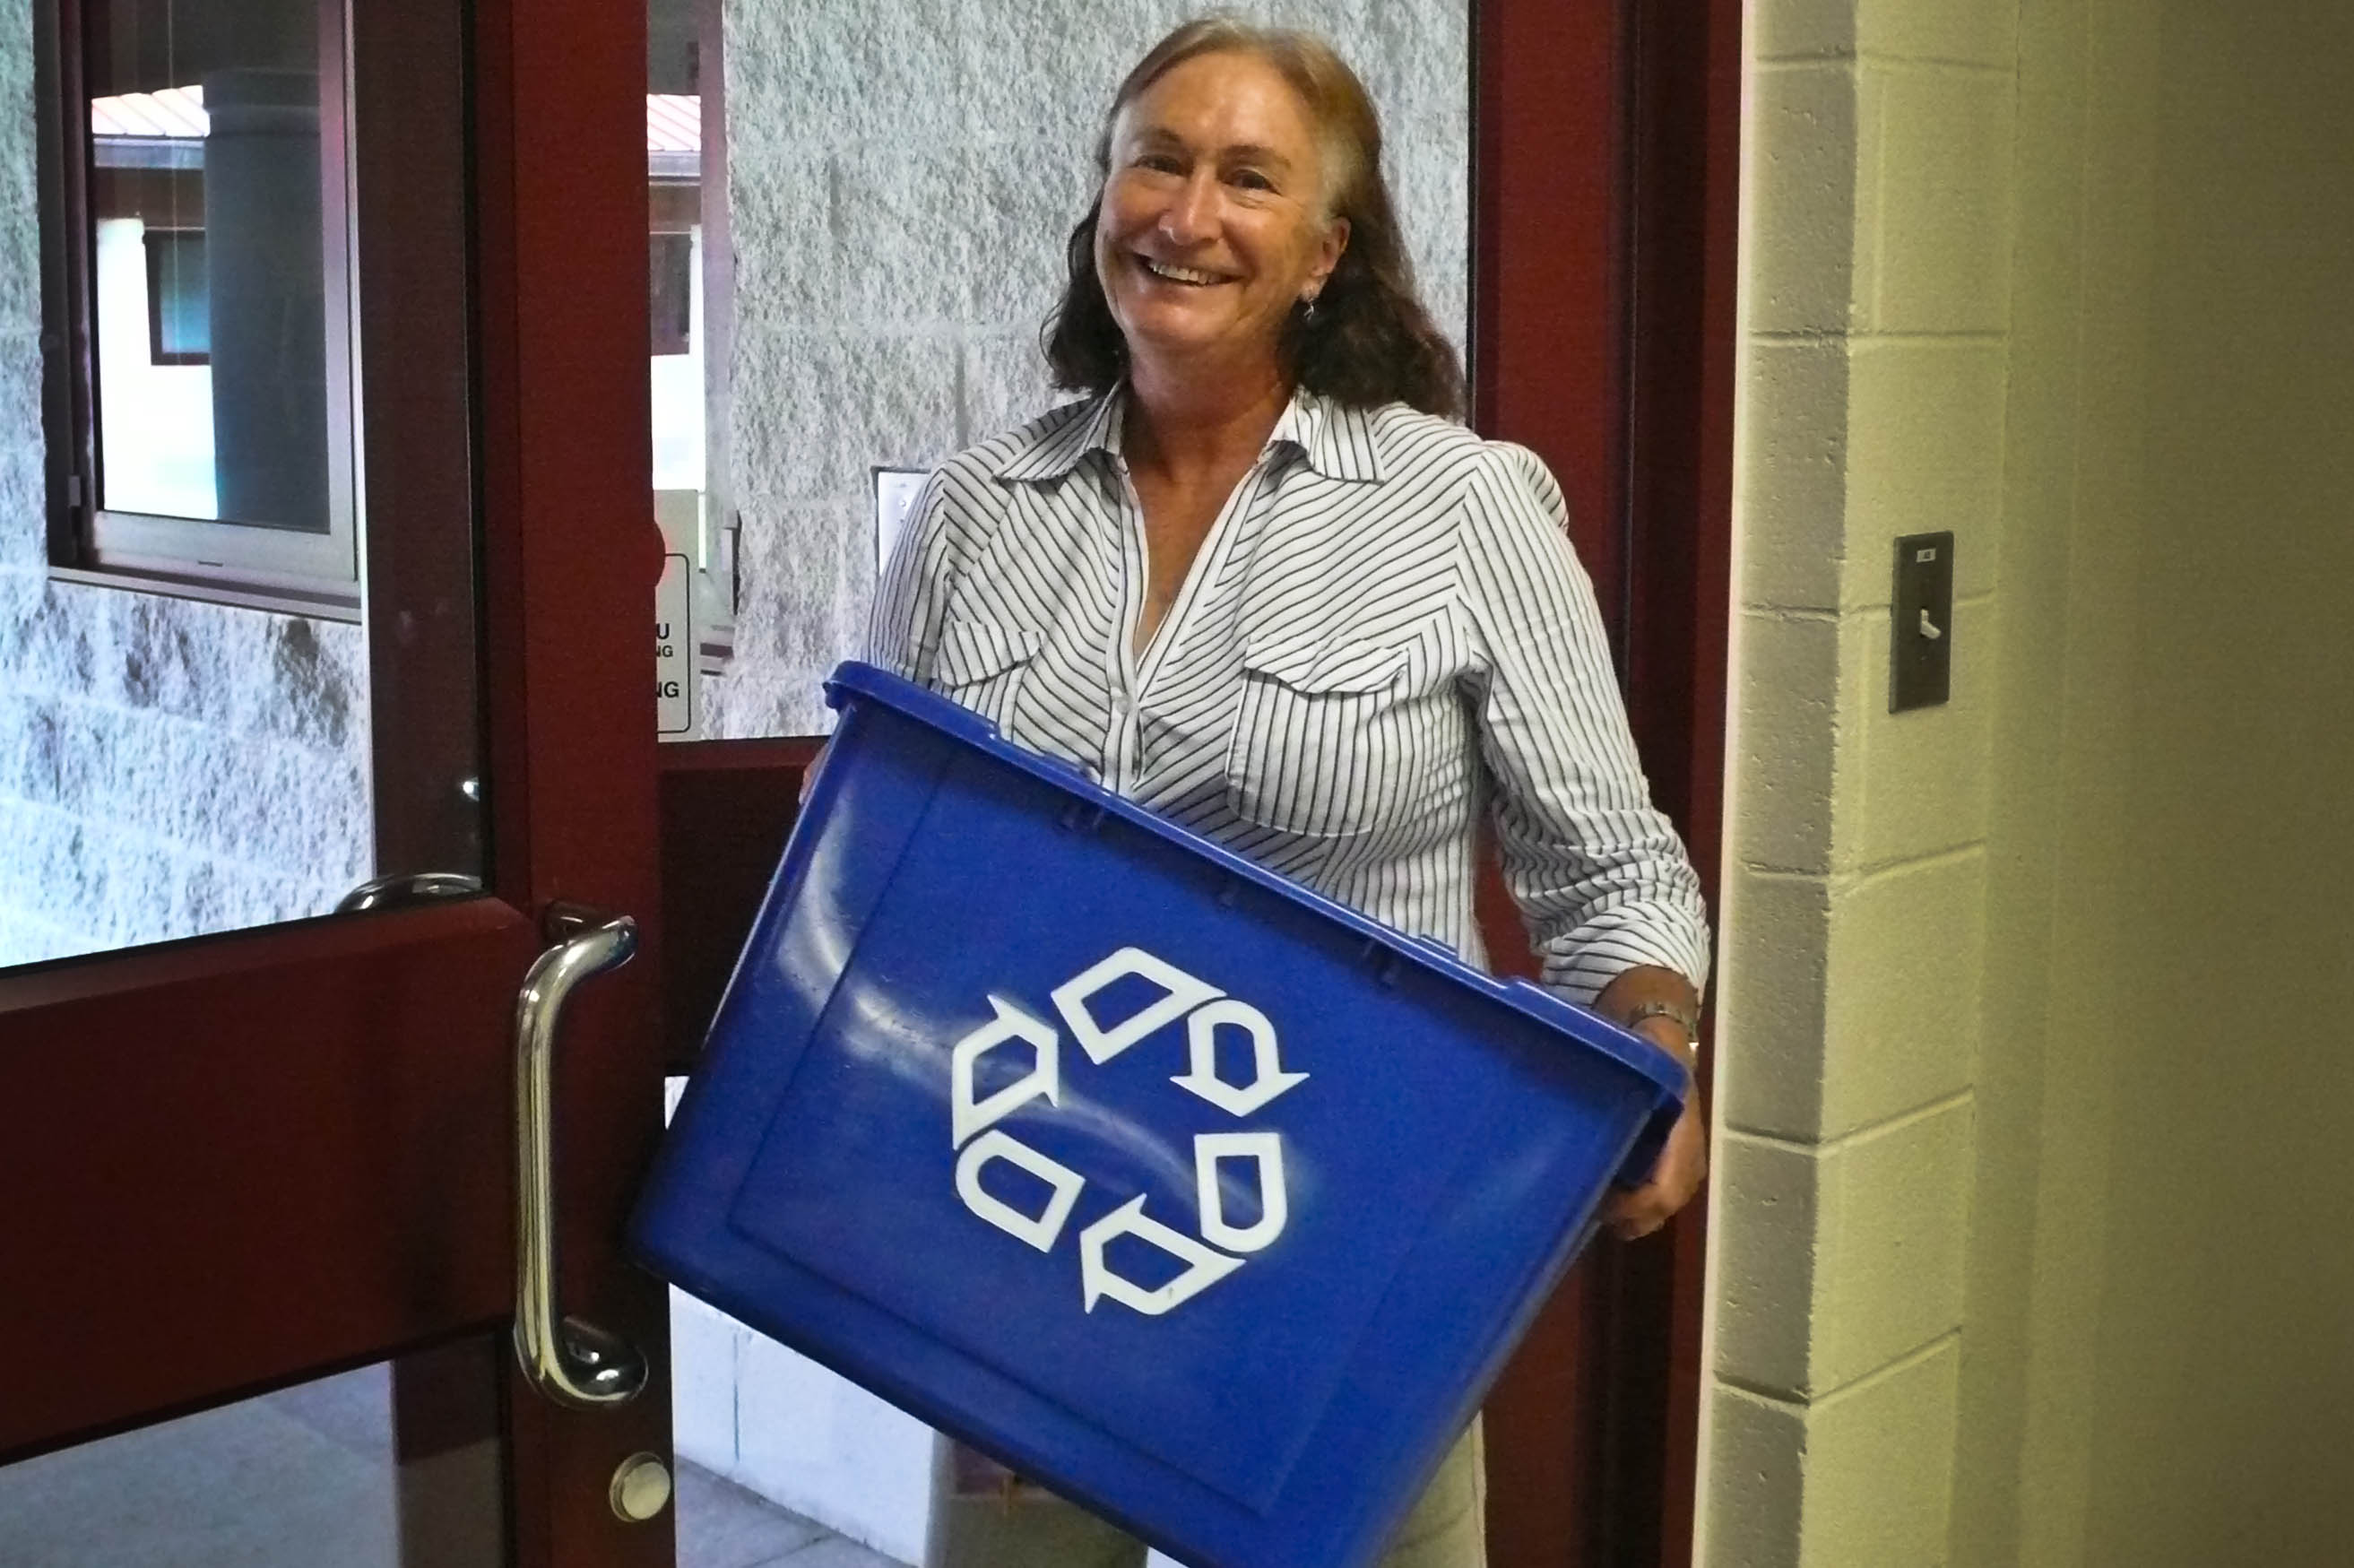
<point>569,1361</point>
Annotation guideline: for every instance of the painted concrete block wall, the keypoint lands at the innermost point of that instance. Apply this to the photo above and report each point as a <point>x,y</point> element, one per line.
<point>746,1408</point>
<point>166,768</point>
<point>902,181</point>
<point>1875,357</point>
<point>2059,779</point>
<point>2159,1374</point>
<point>2072,281</point>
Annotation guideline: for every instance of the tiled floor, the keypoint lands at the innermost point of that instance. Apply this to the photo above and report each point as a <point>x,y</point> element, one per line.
<point>721,1525</point>
<point>303,1478</point>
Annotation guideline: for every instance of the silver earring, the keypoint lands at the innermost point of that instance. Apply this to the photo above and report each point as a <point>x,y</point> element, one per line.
<point>1308,312</point>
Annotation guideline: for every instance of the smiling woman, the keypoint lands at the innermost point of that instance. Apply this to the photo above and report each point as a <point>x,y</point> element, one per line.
<point>1257,139</point>
<point>1262,582</point>
<point>1216,222</point>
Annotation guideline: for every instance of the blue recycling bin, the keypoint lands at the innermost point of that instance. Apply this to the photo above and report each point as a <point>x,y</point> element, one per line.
<point>1208,1202</point>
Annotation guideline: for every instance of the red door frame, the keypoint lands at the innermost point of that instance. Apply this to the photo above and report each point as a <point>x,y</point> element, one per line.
<point>1606,226</point>
<point>266,1155</point>
<point>559,89</point>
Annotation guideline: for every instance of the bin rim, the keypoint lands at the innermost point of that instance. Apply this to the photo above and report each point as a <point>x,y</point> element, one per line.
<point>870,682</point>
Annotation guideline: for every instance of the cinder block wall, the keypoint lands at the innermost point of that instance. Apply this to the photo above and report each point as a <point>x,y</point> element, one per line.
<point>1875,345</point>
<point>166,768</point>
<point>2159,1372</point>
<point>902,180</point>
<point>2035,1093</point>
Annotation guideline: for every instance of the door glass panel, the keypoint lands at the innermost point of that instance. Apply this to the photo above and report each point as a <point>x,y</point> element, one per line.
<point>198,732</point>
<point>896,193</point>
<point>216,227</point>
<point>691,600</point>
<point>319,1472</point>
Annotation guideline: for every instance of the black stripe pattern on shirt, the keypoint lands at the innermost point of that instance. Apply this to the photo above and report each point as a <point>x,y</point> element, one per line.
<point>1384,634</point>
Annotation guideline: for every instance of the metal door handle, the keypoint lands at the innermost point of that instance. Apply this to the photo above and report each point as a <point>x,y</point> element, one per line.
<point>570,1361</point>
<point>403,888</point>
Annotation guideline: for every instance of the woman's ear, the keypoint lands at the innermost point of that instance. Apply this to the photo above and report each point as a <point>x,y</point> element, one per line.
<point>1329,253</point>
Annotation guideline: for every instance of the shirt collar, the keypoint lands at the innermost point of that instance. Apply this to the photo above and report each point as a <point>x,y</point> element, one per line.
<point>1054,447</point>
<point>1334,440</point>
<point>1337,441</point>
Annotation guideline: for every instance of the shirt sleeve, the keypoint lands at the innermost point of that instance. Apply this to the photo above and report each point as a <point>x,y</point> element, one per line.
<point>1599,875</point>
<point>902,629</point>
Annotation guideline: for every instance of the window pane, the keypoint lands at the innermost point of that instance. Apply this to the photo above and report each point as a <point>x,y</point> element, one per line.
<point>897,198</point>
<point>691,597</point>
<point>179,323</point>
<point>671,286</point>
<point>211,196</point>
<point>173,764</point>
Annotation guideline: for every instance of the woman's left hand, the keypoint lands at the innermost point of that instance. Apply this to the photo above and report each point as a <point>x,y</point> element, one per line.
<point>1683,1162</point>
<point>1682,1167</point>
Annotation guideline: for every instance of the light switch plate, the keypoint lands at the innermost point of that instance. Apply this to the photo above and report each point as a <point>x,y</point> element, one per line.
<point>1921,622</point>
<point>895,490</point>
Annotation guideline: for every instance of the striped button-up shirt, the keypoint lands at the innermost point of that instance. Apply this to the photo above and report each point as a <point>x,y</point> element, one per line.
<point>1384,634</point>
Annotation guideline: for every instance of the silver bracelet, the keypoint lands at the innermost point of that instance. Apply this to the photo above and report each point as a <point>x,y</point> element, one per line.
<point>1685,1018</point>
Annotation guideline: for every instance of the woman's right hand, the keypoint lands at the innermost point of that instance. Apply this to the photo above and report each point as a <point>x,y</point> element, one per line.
<point>809,773</point>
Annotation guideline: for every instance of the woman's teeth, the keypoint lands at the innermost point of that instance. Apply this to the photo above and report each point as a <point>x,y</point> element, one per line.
<point>1177,274</point>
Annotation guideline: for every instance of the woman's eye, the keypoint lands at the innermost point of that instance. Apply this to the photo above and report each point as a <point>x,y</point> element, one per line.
<point>1251,180</point>
<point>1158,163</point>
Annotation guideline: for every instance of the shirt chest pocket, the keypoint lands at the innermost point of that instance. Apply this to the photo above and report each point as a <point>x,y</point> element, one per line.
<point>980,664</point>
<point>1329,740</point>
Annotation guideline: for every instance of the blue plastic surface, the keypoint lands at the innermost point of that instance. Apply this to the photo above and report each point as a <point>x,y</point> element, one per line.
<point>1404,1153</point>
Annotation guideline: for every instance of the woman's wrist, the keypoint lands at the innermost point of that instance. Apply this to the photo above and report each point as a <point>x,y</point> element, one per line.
<point>1659,1004</point>
<point>1671,1037</point>
<point>1683,1017</point>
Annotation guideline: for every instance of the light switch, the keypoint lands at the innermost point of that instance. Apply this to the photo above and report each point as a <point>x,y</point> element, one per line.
<point>1921,622</point>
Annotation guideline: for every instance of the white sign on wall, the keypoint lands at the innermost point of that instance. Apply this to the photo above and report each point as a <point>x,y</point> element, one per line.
<point>674,648</point>
<point>895,490</point>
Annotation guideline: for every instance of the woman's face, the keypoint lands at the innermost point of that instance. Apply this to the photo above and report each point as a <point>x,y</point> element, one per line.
<point>1213,226</point>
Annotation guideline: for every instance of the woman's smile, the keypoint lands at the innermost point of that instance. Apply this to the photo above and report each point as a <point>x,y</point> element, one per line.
<point>1169,272</point>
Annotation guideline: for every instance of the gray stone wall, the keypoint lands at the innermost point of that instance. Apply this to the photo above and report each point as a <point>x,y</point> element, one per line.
<point>166,768</point>
<point>902,179</point>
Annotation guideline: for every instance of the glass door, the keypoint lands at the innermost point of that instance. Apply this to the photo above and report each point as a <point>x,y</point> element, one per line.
<point>326,559</point>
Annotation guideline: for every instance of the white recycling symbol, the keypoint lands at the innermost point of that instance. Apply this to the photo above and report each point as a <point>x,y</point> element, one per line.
<point>1223,1246</point>
<point>1267,1077</point>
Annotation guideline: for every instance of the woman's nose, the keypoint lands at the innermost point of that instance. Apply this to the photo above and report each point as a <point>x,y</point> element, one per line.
<point>1191,212</point>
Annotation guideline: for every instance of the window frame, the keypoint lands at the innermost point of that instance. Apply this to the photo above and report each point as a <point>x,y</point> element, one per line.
<point>259,566</point>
